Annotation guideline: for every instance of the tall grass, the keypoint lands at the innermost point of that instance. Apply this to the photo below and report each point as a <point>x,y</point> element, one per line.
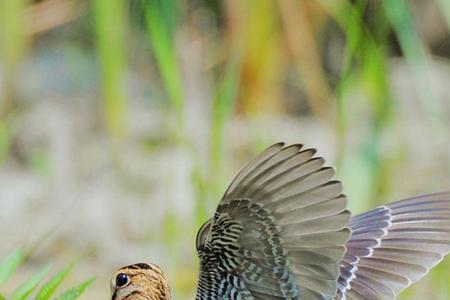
<point>110,30</point>
<point>162,24</point>
<point>364,66</point>
<point>13,40</point>
<point>222,108</point>
<point>399,14</point>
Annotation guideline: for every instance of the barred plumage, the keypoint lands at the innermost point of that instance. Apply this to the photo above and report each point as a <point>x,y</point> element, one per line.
<point>282,231</point>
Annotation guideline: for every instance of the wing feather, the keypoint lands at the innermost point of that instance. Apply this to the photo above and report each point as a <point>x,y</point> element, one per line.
<point>279,231</point>
<point>393,246</point>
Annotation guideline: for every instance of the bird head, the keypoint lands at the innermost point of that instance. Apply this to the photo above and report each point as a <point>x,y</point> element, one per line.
<point>139,282</point>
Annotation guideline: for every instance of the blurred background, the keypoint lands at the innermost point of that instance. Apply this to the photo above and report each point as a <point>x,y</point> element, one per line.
<point>122,121</point>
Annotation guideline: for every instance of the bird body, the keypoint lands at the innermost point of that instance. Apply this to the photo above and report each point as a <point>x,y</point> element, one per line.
<point>282,231</point>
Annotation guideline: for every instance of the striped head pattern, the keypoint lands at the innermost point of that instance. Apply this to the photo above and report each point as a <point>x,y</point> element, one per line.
<point>139,282</point>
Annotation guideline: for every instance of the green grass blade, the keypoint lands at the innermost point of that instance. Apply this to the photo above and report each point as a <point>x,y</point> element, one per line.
<point>349,17</point>
<point>2,297</point>
<point>26,288</point>
<point>222,108</point>
<point>75,292</point>
<point>110,28</point>
<point>400,16</point>
<point>161,38</point>
<point>49,288</point>
<point>13,41</point>
<point>9,265</point>
<point>364,65</point>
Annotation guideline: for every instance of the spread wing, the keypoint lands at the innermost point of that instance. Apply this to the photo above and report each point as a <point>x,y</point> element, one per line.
<point>393,246</point>
<point>278,232</point>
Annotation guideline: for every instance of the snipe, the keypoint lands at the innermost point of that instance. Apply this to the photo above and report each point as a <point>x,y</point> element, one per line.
<point>282,231</point>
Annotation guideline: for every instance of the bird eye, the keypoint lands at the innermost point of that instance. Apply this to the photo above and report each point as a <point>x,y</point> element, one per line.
<point>121,280</point>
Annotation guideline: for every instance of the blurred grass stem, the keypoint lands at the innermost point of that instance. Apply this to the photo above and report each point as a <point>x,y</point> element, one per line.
<point>110,28</point>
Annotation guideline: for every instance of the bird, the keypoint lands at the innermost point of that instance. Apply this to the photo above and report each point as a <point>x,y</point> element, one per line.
<point>282,230</point>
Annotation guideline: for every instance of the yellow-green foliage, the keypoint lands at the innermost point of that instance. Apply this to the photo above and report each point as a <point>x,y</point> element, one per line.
<point>35,287</point>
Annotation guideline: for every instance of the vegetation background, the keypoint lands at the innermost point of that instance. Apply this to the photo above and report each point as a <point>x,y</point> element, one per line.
<point>122,121</point>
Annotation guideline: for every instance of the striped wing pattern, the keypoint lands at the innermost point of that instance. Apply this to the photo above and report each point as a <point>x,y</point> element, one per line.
<point>393,246</point>
<point>278,232</point>
<point>282,231</point>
